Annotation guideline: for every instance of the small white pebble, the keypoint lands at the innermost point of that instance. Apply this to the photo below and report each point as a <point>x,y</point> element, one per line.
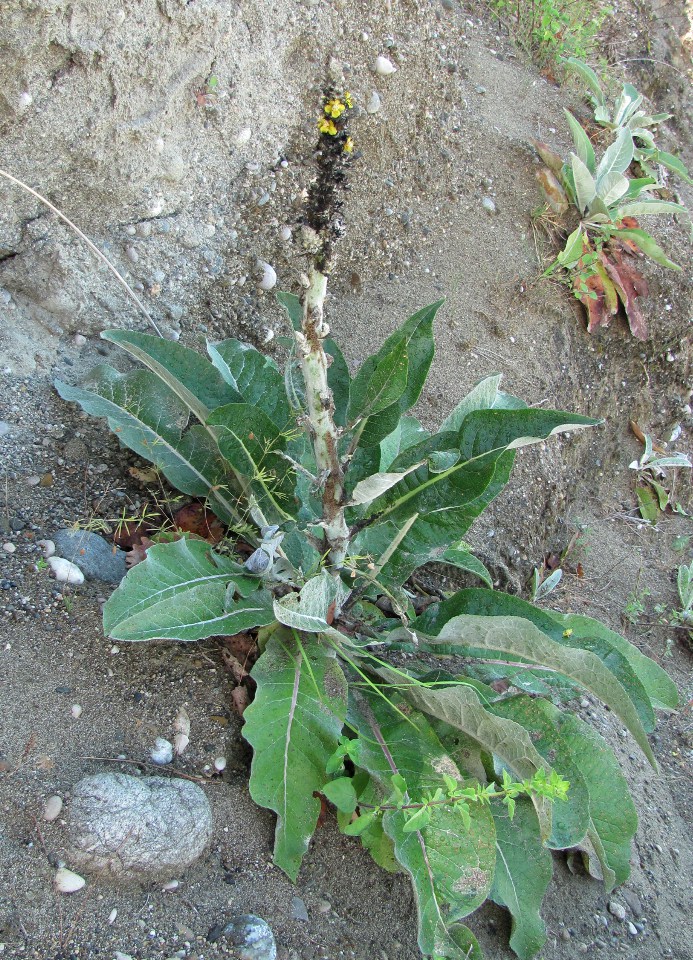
<point>52,808</point>
<point>76,711</point>
<point>269,276</point>
<point>111,916</point>
<point>171,886</point>
<point>162,751</point>
<point>79,340</point>
<point>24,101</point>
<point>220,764</point>
<point>156,207</point>
<point>65,571</point>
<point>617,910</point>
<point>65,881</point>
<point>373,104</point>
<point>269,336</point>
<point>285,233</point>
<point>244,136</point>
<point>9,547</point>
<point>384,67</point>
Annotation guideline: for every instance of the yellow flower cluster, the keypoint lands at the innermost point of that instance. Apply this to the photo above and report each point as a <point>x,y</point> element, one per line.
<point>327,126</point>
<point>334,108</point>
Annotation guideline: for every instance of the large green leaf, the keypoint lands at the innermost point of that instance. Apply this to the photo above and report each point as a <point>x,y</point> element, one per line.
<point>673,163</point>
<point>649,207</point>
<point>415,337</point>
<point>618,156</point>
<point>460,707</point>
<point>574,747</point>
<point>523,872</point>
<point>149,418</point>
<point>485,395</point>
<point>429,537</point>
<point>183,591</point>
<point>519,637</point>
<point>451,867</point>
<point>648,245</point>
<point>660,688</point>
<point>463,559</point>
<point>407,433</point>
<point>446,501</point>
<point>585,186</point>
<point>583,145</point>
<point>652,687</point>
<point>254,377</point>
<point>186,372</point>
<point>313,609</point>
<point>483,437</point>
<point>541,720</point>
<point>379,384</point>
<point>293,725</point>
<point>253,444</point>
<point>588,76</point>
<point>612,188</point>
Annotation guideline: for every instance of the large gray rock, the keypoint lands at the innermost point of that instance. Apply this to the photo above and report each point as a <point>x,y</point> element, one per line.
<point>97,559</point>
<point>131,828</point>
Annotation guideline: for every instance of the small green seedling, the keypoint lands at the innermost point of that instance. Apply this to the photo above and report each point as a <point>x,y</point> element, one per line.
<point>651,486</point>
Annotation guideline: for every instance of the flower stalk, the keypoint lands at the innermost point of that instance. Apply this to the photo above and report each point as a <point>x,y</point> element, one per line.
<point>322,226</point>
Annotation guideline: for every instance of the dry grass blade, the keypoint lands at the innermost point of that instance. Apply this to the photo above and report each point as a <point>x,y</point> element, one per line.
<point>94,249</point>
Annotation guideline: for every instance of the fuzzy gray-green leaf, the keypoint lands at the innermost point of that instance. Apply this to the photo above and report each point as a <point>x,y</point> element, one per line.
<point>254,377</point>
<point>451,868</point>
<point>523,872</point>
<point>186,372</point>
<point>312,609</point>
<point>519,637</point>
<point>180,593</point>
<point>293,725</point>
<point>149,418</point>
<point>575,748</point>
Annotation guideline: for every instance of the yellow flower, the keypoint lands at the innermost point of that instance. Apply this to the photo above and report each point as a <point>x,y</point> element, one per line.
<point>347,99</point>
<point>348,145</point>
<point>326,126</point>
<point>567,633</point>
<point>334,108</point>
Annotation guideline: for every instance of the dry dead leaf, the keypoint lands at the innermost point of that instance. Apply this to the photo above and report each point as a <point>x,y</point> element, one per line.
<point>240,698</point>
<point>195,518</point>
<point>146,475</point>
<point>182,722</point>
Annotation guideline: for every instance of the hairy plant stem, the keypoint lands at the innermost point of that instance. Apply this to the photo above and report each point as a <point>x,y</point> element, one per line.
<point>320,411</point>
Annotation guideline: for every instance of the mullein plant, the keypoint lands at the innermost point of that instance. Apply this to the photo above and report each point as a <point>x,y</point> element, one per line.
<point>373,695</point>
<point>600,260</point>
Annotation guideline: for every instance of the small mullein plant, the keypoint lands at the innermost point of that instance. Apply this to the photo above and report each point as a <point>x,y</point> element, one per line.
<point>600,258</point>
<point>627,112</point>
<point>371,693</point>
